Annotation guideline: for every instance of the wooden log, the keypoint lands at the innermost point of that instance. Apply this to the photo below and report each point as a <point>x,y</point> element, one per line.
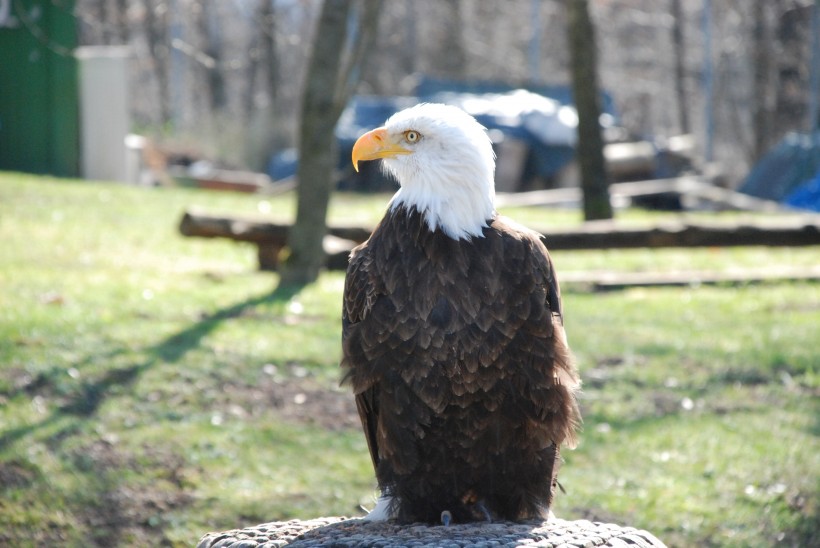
<point>241,230</point>
<point>628,159</point>
<point>203,225</point>
<point>603,281</point>
<point>607,236</point>
<point>272,237</point>
<point>268,256</point>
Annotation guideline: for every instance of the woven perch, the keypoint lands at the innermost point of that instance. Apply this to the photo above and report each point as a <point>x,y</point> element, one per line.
<point>342,532</point>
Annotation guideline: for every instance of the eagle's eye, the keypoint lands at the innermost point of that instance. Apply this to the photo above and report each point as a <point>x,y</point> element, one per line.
<point>412,136</point>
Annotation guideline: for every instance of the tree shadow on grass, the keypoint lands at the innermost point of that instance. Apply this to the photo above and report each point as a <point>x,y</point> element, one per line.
<point>85,401</point>
<point>176,346</point>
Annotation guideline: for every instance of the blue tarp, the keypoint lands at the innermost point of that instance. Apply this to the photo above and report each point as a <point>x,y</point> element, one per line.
<point>791,163</point>
<point>428,87</point>
<point>806,196</point>
<point>546,125</point>
<point>543,117</point>
<point>365,112</point>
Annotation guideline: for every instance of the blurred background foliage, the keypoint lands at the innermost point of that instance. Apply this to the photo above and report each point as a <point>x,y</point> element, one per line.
<point>225,79</point>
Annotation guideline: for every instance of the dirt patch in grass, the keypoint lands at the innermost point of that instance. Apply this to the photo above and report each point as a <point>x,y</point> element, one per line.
<point>297,400</point>
<point>130,512</point>
<point>118,497</point>
<point>16,474</point>
<point>304,402</point>
<point>136,517</point>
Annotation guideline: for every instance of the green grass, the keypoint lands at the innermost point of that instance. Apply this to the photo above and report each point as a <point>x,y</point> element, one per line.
<point>701,413</point>
<point>154,387</point>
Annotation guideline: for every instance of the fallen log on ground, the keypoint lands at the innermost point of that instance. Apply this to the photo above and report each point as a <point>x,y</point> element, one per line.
<point>606,281</point>
<point>608,235</point>
<point>271,238</point>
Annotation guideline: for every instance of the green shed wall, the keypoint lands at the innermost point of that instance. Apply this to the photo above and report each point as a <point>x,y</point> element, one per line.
<point>39,108</point>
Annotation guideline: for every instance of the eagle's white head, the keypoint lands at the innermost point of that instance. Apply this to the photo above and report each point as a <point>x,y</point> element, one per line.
<point>444,162</point>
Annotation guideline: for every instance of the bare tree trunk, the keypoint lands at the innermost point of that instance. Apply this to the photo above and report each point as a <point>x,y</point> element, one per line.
<point>156,31</point>
<point>267,36</point>
<point>331,78</point>
<point>679,46</point>
<point>761,68</point>
<point>209,68</point>
<point>103,22</point>
<point>452,61</point>
<point>262,58</point>
<point>409,59</point>
<point>590,149</point>
<point>120,22</point>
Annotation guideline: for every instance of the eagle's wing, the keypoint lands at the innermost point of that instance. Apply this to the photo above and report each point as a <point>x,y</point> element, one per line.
<point>564,372</point>
<point>367,404</point>
<point>357,301</point>
<point>553,289</point>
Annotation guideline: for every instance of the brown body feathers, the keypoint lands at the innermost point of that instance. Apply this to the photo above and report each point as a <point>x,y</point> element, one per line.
<point>456,354</point>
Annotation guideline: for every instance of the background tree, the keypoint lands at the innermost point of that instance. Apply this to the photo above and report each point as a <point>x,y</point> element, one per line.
<point>451,60</point>
<point>156,31</point>
<point>679,45</point>
<point>332,75</point>
<point>590,148</point>
<point>208,69</point>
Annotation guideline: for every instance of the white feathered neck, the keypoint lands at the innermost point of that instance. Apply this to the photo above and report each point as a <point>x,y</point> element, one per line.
<point>449,177</point>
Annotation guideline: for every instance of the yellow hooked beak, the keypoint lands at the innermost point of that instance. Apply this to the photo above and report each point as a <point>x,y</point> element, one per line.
<point>376,144</point>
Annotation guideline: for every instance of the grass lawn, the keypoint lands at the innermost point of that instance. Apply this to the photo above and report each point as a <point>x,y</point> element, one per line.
<point>153,387</point>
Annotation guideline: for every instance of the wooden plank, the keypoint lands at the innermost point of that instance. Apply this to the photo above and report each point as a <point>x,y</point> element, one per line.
<point>608,236</point>
<point>602,281</point>
<point>688,187</point>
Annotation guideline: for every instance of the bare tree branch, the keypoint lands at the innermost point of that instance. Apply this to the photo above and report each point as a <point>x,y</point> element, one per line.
<point>350,76</point>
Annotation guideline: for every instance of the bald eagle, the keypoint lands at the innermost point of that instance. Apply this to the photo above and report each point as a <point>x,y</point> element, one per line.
<point>453,338</point>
